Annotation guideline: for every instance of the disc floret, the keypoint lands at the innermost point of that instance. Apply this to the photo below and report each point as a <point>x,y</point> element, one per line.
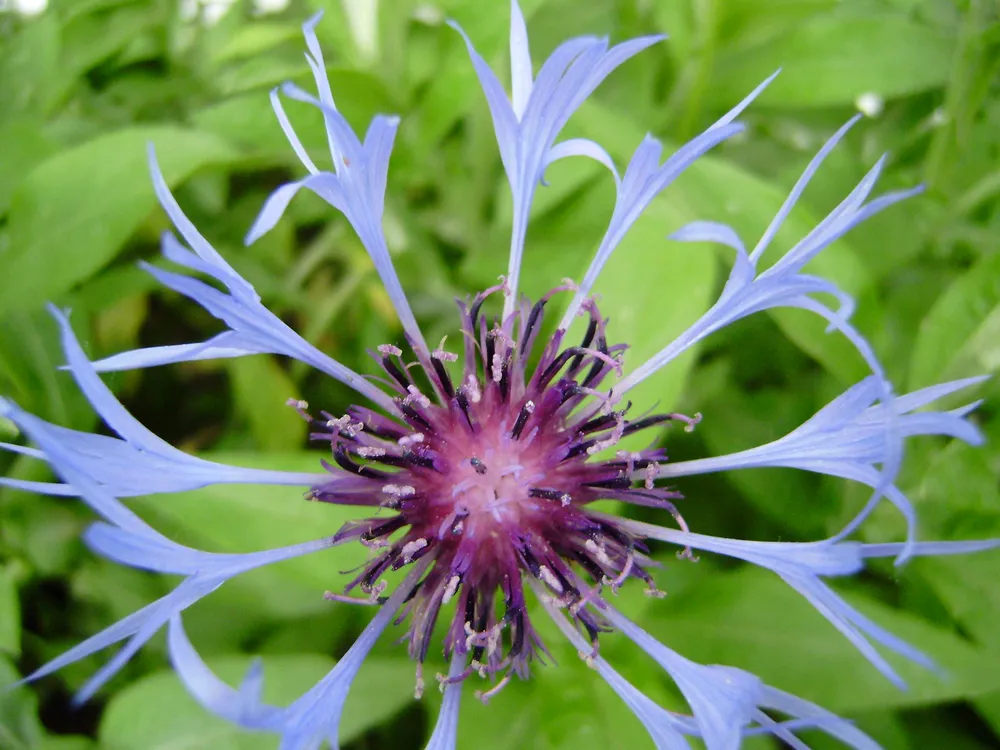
<point>490,474</point>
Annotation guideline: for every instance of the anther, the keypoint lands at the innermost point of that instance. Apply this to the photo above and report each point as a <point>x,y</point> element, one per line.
<point>522,419</point>
<point>412,548</point>
<point>416,397</point>
<point>399,490</point>
<point>418,689</point>
<point>549,577</point>
<point>472,390</point>
<point>450,589</point>
<point>485,697</point>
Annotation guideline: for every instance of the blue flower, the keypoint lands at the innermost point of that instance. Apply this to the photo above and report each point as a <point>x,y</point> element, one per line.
<point>483,487</point>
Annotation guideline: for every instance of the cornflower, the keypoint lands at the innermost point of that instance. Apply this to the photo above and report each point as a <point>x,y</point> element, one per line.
<point>481,466</point>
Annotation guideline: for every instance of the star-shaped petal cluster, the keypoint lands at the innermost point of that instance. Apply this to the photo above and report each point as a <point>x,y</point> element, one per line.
<point>482,467</point>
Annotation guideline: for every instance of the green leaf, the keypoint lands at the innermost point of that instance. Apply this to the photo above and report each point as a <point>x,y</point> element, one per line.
<point>30,80</point>
<point>753,620</point>
<point>90,39</point>
<point>958,498</point>
<point>262,389</point>
<point>255,38</point>
<point>75,211</point>
<point>30,357</point>
<point>19,725</point>
<point>831,59</point>
<point>156,713</point>
<point>10,612</point>
<point>25,145</point>
<point>957,318</point>
<point>66,742</point>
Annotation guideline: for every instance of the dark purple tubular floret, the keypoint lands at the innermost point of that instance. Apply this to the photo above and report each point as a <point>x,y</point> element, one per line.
<point>490,476</point>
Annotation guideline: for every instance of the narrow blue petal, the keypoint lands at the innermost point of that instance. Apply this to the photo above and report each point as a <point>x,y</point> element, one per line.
<point>582,147</point>
<point>356,187</point>
<point>824,720</point>
<point>644,179</point>
<point>745,102</point>
<point>838,613</point>
<point>801,565</point>
<point>520,61</point>
<point>12,447</point>
<point>317,713</point>
<point>723,699</point>
<point>929,549</point>
<point>710,231</point>
<point>925,396</point>
<point>666,730</point>
<point>445,734</point>
<point>121,630</point>
<point>186,594</point>
<point>379,140</point>
<point>190,233</point>
<point>42,488</point>
<point>323,184</point>
<point>226,345</point>
<point>139,463</point>
<point>505,122</point>
<point>793,197</point>
<point>241,707</point>
<point>290,134</point>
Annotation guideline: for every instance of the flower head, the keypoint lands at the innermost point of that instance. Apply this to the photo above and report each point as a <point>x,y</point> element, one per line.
<point>480,467</point>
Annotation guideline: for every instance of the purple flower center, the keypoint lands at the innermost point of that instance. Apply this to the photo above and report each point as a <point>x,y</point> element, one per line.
<point>491,475</point>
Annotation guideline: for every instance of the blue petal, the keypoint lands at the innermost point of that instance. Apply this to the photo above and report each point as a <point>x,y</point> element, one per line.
<point>820,718</point>
<point>723,699</point>
<point>846,438</point>
<point>644,180</point>
<point>801,565</point>
<point>356,187</point>
<point>444,736</point>
<point>666,730</point>
<point>139,463</point>
<point>520,61</point>
<point>241,707</point>
<point>526,129</point>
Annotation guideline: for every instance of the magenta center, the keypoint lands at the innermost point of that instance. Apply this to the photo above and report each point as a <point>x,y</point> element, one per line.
<point>492,479</point>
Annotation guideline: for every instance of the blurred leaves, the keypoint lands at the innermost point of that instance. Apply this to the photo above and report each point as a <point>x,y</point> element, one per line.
<point>72,214</point>
<point>88,83</point>
<point>833,59</point>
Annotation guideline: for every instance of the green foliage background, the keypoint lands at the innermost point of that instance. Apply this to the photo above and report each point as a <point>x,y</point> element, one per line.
<point>86,84</point>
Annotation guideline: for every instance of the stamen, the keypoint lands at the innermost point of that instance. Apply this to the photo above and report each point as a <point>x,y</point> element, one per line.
<point>472,390</point>
<point>399,490</point>
<point>522,418</point>
<point>344,598</point>
<point>485,697</point>
<point>451,588</point>
<point>412,548</point>
<point>418,689</point>
<point>550,579</point>
<point>652,469</point>
<point>416,397</point>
